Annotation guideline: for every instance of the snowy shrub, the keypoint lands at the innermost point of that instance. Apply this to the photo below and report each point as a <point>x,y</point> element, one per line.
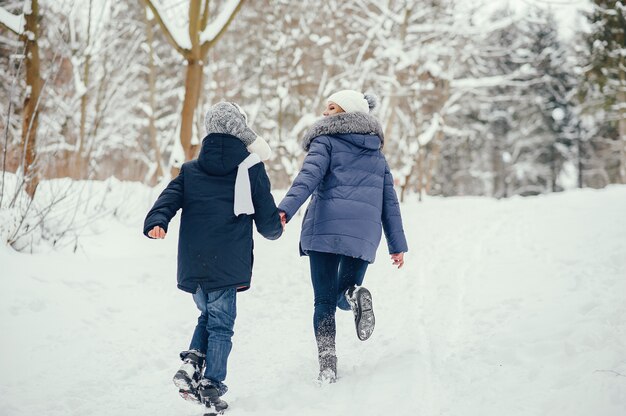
<point>63,210</point>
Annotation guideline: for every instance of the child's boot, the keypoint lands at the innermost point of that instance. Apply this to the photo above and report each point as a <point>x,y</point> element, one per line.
<point>360,300</point>
<point>188,375</point>
<point>210,396</point>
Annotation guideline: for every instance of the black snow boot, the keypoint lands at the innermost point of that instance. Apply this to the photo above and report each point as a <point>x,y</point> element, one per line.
<point>188,375</point>
<point>360,300</point>
<point>210,396</point>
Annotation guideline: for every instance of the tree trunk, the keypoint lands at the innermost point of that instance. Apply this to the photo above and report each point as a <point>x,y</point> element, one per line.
<point>193,81</point>
<point>407,181</point>
<point>621,128</point>
<point>498,172</point>
<point>420,171</point>
<point>500,131</point>
<point>84,100</point>
<point>199,117</point>
<point>403,188</point>
<point>621,123</point>
<point>152,130</point>
<point>30,118</point>
<point>433,160</point>
<point>579,148</point>
<point>80,162</point>
<point>553,167</point>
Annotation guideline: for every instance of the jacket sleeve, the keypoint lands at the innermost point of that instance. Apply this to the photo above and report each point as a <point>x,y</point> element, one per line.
<point>165,207</point>
<point>266,215</point>
<point>313,171</point>
<point>391,217</point>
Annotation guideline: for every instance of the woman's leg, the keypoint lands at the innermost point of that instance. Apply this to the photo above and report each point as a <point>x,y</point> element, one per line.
<point>324,267</point>
<point>351,273</point>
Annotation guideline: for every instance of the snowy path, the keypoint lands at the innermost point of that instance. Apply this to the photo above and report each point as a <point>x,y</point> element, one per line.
<point>504,308</point>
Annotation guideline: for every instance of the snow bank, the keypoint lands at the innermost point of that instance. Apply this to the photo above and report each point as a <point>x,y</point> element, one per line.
<point>511,307</point>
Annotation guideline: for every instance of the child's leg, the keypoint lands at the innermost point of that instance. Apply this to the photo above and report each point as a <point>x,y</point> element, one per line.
<point>200,337</point>
<point>221,311</point>
<point>351,273</point>
<point>190,372</point>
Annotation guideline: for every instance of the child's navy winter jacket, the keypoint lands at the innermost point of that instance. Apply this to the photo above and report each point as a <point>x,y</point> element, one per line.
<point>215,246</point>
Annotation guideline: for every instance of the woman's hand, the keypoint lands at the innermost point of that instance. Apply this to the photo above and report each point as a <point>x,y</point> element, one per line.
<point>398,259</point>
<point>283,219</point>
<point>157,232</point>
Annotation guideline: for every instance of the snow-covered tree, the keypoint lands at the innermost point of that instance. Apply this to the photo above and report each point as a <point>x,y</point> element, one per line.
<point>511,130</point>
<point>472,101</point>
<point>604,94</point>
<point>26,26</point>
<point>193,38</point>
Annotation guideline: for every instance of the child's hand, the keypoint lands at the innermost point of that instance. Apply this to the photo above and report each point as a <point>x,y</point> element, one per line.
<point>398,259</point>
<point>283,219</point>
<point>157,232</point>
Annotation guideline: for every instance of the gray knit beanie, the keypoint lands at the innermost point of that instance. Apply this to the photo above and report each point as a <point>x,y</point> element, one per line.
<point>229,118</point>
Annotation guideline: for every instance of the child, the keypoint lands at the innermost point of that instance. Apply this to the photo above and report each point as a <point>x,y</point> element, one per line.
<point>220,193</point>
<point>353,201</point>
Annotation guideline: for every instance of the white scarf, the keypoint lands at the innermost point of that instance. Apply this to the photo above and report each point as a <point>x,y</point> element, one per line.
<point>243,191</point>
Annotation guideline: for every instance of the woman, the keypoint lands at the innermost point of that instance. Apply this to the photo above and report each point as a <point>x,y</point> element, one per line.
<point>353,201</point>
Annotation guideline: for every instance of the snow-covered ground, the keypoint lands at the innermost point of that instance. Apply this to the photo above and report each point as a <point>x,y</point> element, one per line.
<point>504,308</point>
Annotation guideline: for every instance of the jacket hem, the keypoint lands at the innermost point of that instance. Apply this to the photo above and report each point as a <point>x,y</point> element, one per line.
<point>241,287</point>
<point>304,251</point>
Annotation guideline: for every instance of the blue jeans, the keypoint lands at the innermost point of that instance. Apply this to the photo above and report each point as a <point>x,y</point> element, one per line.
<point>213,333</point>
<point>332,274</point>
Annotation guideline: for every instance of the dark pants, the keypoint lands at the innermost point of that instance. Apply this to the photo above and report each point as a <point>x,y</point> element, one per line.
<point>213,333</point>
<point>332,275</point>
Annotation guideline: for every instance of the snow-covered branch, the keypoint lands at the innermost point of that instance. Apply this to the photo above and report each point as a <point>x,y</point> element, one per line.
<point>14,23</point>
<point>489,81</point>
<point>219,25</point>
<point>429,134</point>
<point>178,37</point>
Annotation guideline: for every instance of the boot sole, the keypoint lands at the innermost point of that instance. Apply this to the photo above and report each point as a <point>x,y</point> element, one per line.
<point>190,396</point>
<point>183,382</point>
<point>364,317</point>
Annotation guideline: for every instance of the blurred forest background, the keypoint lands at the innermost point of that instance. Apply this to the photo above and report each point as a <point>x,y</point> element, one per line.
<point>487,98</point>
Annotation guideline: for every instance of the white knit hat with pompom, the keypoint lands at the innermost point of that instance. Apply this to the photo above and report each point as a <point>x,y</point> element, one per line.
<point>352,101</point>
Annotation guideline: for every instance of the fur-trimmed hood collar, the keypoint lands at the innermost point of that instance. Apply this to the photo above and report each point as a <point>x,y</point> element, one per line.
<point>344,123</point>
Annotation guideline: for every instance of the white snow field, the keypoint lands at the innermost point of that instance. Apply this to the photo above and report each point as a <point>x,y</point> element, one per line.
<point>504,308</point>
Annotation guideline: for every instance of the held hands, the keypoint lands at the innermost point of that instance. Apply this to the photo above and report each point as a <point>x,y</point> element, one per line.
<point>398,259</point>
<point>157,232</point>
<point>283,219</point>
